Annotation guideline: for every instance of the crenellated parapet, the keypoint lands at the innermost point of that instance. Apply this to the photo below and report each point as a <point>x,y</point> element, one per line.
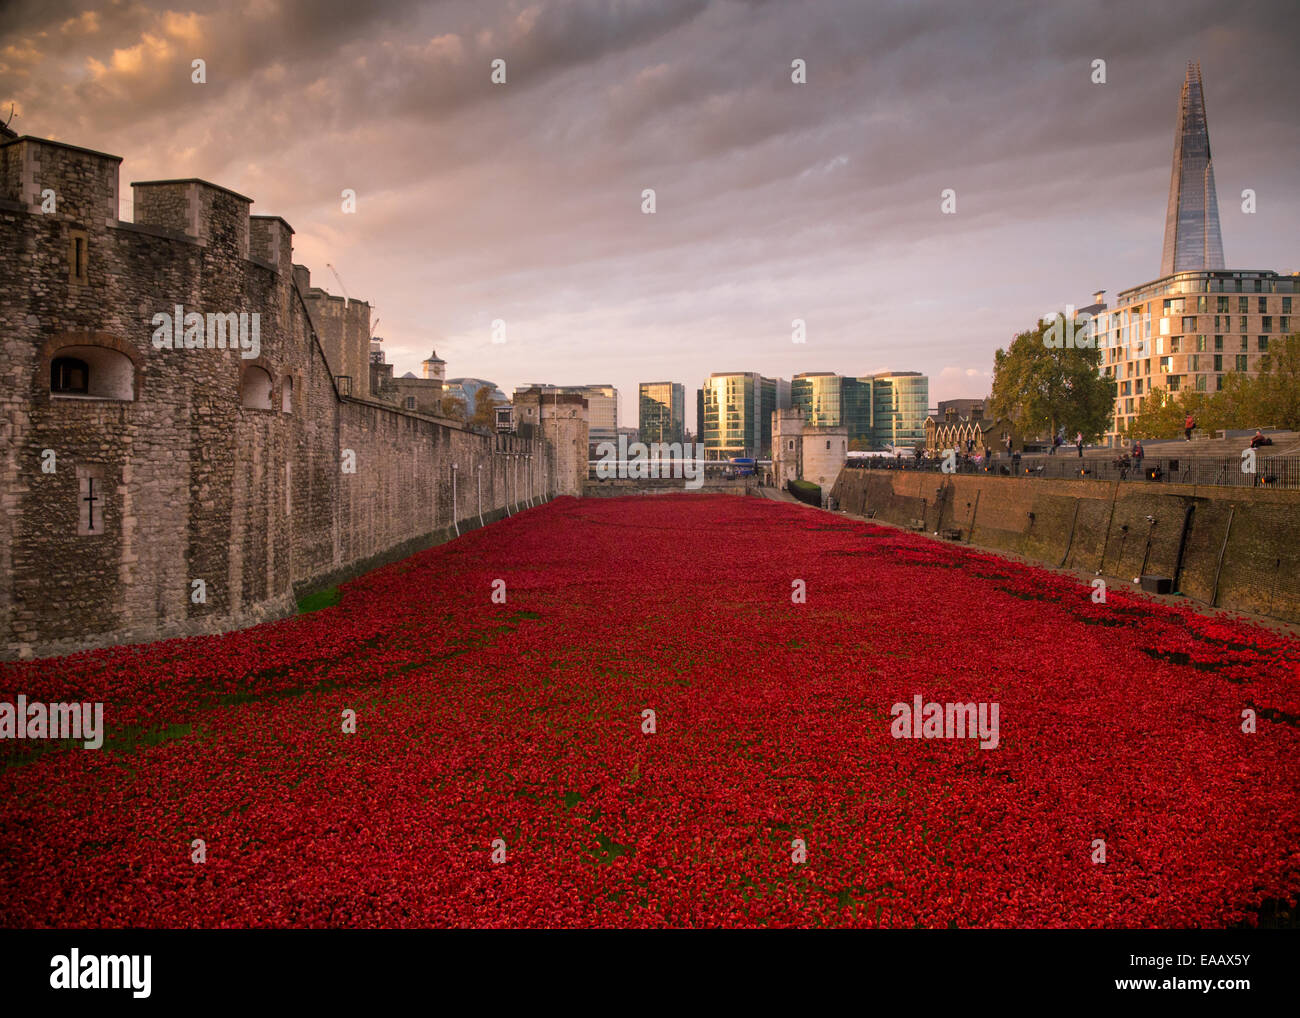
<point>207,213</point>
<point>177,454</point>
<point>73,184</point>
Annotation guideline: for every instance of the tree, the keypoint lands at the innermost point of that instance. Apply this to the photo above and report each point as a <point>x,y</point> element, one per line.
<point>484,409</point>
<point>1269,399</point>
<point>1164,414</point>
<point>1276,388</point>
<point>1039,388</point>
<point>453,407</point>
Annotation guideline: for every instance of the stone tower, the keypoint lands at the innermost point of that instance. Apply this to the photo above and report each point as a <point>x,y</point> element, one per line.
<point>1192,237</point>
<point>435,367</point>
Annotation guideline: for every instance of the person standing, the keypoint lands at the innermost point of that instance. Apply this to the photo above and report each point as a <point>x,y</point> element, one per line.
<point>1138,454</point>
<point>1078,440</point>
<point>1188,425</point>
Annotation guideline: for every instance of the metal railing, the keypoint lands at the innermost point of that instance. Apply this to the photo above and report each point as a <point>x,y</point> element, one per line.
<point>1270,471</point>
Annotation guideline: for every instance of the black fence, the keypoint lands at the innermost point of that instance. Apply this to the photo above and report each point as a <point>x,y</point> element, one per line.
<point>1270,471</point>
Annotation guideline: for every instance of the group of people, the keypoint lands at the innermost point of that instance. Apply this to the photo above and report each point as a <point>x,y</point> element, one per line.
<point>1058,440</point>
<point>1131,460</point>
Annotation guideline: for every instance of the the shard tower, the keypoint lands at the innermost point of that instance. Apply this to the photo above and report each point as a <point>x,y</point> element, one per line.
<point>1192,237</point>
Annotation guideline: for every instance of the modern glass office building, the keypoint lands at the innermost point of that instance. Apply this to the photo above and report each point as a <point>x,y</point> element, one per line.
<point>900,403</point>
<point>737,407</point>
<point>662,412</point>
<point>467,389</point>
<point>831,400</point>
<point>1193,240</point>
<point>1199,321</point>
<point>1184,332</point>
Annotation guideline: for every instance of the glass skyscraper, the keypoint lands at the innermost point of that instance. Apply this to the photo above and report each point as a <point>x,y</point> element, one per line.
<point>1192,238</point>
<point>662,412</point>
<point>831,400</point>
<point>738,408</point>
<point>900,404</point>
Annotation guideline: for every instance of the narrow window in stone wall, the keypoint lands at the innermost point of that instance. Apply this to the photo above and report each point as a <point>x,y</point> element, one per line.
<point>345,385</point>
<point>286,394</point>
<point>78,257</point>
<point>91,513</point>
<point>410,402</point>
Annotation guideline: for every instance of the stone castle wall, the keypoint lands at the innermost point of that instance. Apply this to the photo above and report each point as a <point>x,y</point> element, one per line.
<point>188,482</point>
<point>1096,525</point>
<point>343,329</point>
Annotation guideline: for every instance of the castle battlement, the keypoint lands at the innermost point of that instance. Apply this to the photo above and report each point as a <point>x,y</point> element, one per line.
<point>271,242</point>
<point>342,327</point>
<point>84,182</point>
<point>84,185</point>
<point>211,214</point>
<point>172,414</point>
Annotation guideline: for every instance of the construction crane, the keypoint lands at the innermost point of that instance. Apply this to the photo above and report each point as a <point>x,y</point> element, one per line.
<point>374,323</point>
<point>340,279</point>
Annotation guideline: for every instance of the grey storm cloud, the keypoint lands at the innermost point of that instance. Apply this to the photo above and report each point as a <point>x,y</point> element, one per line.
<point>775,201</point>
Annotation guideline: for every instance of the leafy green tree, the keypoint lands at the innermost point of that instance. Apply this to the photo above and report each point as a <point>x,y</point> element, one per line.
<point>1039,388</point>
<point>1164,414</point>
<point>1269,399</point>
<point>1277,386</point>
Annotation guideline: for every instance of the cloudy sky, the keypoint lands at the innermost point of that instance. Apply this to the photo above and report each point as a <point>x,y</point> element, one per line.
<point>775,201</point>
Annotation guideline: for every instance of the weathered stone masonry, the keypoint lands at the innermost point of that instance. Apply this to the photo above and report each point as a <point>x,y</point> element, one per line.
<point>1239,553</point>
<point>188,482</point>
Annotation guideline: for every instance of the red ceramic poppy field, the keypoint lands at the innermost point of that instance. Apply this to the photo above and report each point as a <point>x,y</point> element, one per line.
<point>501,773</point>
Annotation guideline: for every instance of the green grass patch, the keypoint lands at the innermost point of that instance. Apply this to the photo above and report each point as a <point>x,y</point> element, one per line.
<point>806,491</point>
<point>326,598</point>
<point>128,740</point>
<point>609,849</point>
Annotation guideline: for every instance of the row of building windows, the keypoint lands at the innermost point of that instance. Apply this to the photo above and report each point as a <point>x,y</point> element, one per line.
<point>1214,285</point>
<point>1200,383</point>
<point>1222,305</point>
<point>1195,344</point>
<point>95,372</point>
<point>1199,342</point>
<point>1195,362</point>
<point>1223,311</point>
<point>1117,342</point>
